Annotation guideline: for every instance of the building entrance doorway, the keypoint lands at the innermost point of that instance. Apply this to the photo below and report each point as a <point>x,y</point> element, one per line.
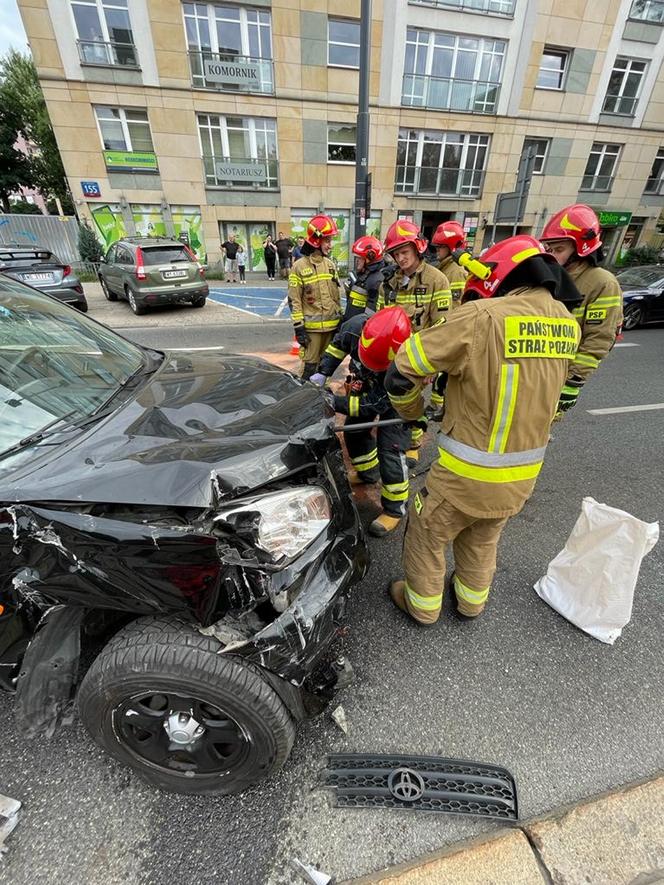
<point>251,234</point>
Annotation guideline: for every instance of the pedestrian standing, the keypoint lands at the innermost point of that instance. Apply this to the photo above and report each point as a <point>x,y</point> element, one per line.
<point>284,250</point>
<point>313,293</point>
<point>231,248</point>
<point>241,264</point>
<point>297,249</point>
<point>506,359</point>
<point>270,255</point>
<point>572,236</point>
<point>372,343</point>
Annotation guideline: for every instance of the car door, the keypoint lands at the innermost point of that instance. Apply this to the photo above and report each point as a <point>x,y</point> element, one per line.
<point>656,302</point>
<point>125,262</point>
<point>109,270</point>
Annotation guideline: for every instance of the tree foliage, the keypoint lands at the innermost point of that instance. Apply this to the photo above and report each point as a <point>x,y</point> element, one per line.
<point>88,244</point>
<point>641,255</point>
<point>23,207</point>
<point>22,99</point>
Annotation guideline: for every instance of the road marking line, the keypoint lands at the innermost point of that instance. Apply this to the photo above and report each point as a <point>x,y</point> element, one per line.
<point>245,296</point>
<point>626,344</point>
<point>652,407</point>
<point>250,313</point>
<point>213,347</point>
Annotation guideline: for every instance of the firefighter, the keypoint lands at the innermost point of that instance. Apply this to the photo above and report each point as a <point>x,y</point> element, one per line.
<point>369,264</point>
<point>313,293</point>
<point>449,237</point>
<point>372,343</point>
<point>419,288</point>
<point>572,236</point>
<point>507,359</point>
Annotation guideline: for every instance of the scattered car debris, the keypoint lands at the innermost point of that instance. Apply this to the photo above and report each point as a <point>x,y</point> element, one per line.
<point>339,717</point>
<point>421,783</point>
<point>310,874</point>
<point>9,818</point>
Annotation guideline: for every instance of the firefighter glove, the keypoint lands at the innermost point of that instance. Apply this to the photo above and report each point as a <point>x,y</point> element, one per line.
<point>421,423</point>
<point>569,394</point>
<point>301,336</point>
<point>318,378</point>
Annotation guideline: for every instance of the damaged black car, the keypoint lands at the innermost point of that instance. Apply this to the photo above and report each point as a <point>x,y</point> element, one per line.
<point>177,545</point>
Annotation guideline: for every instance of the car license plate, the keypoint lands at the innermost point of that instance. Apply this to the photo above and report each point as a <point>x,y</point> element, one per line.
<point>38,277</point>
<point>174,274</point>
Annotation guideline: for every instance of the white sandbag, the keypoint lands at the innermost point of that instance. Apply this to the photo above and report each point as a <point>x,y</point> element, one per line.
<point>591,581</point>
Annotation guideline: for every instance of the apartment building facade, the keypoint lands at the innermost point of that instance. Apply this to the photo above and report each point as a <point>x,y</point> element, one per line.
<point>209,118</point>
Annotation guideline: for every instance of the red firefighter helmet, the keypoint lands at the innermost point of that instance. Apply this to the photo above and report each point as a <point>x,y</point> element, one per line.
<point>404,231</point>
<point>382,336</point>
<point>369,248</point>
<point>502,259</point>
<point>319,227</point>
<point>578,223</point>
<point>450,234</point>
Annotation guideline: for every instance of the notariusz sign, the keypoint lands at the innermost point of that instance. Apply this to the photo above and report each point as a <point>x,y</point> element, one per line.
<point>235,73</point>
<point>233,170</point>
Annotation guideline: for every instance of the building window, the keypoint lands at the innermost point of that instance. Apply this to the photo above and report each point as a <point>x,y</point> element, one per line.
<point>541,148</point>
<point>230,47</point>
<point>239,152</point>
<point>341,140</point>
<point>553,68</point>
<point>343,43</point>
<point>601,167</point>
<point>492,7</point>
<point>104,32</point>
<point>647,10</point>
<point>446,163</point>
<point>452,72</point>
<point>655,183</point>
<point>622,94</point>
<point>127,140</point>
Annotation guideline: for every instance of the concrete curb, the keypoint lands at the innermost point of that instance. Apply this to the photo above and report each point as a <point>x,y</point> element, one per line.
<point>615,838</point>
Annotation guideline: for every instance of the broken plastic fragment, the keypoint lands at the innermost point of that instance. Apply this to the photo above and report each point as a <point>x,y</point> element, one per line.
<point>9,817</point>
<point>339,717</point>
<point>310,874</point>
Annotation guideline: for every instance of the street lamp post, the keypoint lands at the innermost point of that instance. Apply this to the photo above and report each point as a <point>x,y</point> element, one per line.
<point>362,208</point>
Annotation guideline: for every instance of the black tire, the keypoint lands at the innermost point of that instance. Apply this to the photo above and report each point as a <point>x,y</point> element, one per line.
<point>108,295</point>
<point>166,657</point>
<point>199,302</point>
<point>632,317</point>
<point>136,308</point>
<point>82,306</point>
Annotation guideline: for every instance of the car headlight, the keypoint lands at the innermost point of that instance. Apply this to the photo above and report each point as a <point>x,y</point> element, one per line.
<point>288,521</point>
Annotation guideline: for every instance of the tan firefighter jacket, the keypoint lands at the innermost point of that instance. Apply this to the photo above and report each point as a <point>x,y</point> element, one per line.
<point>600,316</point>
<point>507,360</point>
<point>456,275</point>
<point>425,296</point>
<point>313,293</point>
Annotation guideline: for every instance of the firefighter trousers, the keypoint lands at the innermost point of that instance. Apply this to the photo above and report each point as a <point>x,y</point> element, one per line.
<point>433,523</point>
<point>312,354</point>
<point>382,456</point>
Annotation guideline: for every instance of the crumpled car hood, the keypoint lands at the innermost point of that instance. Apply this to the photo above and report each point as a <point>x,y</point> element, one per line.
<point>204,428</point>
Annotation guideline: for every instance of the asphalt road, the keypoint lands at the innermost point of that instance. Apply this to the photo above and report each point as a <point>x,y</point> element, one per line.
<point>521,687</point>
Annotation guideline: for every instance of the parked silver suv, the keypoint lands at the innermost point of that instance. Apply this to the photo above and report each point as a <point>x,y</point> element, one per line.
<point>151,271</point>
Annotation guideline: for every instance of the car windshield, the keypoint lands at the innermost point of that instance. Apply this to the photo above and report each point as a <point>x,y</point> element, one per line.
<point>55,364</point>
<point>153,255</point>
<point>641,276</point>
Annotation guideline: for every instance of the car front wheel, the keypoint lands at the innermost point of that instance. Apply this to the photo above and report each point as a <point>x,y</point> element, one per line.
<point>162,700</point>
<point>108,295</point>
<point>632,316</point>
<point>137,309</point>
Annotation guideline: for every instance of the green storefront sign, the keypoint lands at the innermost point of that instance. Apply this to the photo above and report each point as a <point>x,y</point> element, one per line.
<point>614,219</point>
<point>131,161</point>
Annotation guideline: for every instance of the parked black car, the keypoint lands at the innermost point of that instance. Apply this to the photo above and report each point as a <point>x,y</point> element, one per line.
<point>42,269</point>
<point>186,520</point>
<point>643,295</point>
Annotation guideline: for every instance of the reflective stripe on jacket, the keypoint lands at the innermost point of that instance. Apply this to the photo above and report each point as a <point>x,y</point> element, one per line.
<point>425,297</point>
<point>456,275</point>
<point>599,316</point>
<point>313,293</point>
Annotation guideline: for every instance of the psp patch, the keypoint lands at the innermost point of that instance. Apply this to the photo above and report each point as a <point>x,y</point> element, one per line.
<point>543,337</point>
<point>596,315</point>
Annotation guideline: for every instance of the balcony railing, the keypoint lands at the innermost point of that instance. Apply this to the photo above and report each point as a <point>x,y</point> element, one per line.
<point>654,186</point>
<point>106,54</point>
<point>490,7</point>
<point>244,173</point>
<point>597,183</point>
<point>231,73</point>
<point>448,94</point>
<point>620,104</point>
<point>433,181</point>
